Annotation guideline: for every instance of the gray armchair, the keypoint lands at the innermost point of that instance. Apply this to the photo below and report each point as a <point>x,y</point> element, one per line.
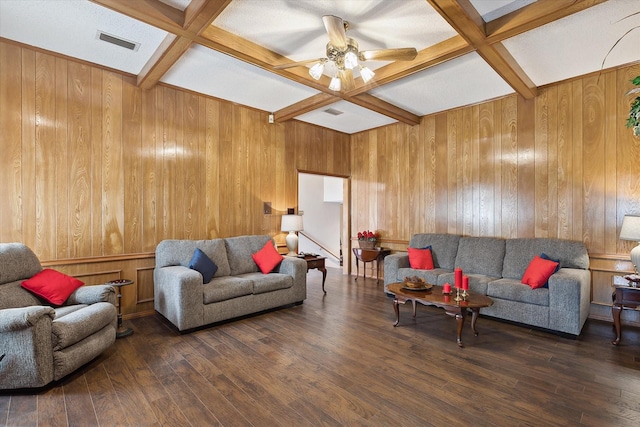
<point>40,343</point>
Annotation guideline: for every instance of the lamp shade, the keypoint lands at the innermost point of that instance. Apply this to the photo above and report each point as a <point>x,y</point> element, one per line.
<point>291,223</point>
<point>630,228</point>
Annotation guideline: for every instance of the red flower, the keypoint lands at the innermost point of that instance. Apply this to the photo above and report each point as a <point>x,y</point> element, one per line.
<point>368,235</point>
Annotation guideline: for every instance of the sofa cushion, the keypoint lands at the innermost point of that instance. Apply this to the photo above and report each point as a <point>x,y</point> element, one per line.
<point>18,262</point>
<point>263,283</point>
<point>13,295</point>
<point>520,251</point>
<point>76,326</point>
<point>444,247</point>
<point>179,252</point>
<point>239,251</point>
<point>545,256</point>
<point>481,255</point>
<point>267,258</point>
<point>54,286</point>
<point>513,290</point>
<point>203,265</point>
<point>420,259</point>
<point>538,272</point>
<point>225,288</point>
<point>477,282</point>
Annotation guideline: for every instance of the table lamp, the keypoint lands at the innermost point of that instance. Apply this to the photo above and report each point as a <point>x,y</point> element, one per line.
<point>291,223</point>
<point>631,231</point>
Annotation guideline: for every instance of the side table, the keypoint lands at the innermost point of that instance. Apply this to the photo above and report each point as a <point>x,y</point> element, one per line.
<point>370,255</point>
<point>623,296</point>
<point>317,262</point>
<point>121,331</point>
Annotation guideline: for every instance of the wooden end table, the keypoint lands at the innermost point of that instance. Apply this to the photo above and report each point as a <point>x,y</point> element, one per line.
<point>435,297</point>
<point>121,331</point>
<point>623,296</point>
<point>317,262</point>
<point>370,255</point>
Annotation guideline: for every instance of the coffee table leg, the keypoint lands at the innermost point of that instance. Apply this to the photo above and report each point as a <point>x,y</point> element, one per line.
<point>414,308</point>
<point>474,317</point>
<point>397,310</point>
<point>460,320</point>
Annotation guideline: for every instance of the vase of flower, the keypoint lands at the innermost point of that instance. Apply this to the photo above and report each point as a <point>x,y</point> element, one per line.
<point>367,239</point>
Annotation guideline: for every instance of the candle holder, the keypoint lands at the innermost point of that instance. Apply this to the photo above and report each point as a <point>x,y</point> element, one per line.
<point>457,298</point>
<point>465,294</point>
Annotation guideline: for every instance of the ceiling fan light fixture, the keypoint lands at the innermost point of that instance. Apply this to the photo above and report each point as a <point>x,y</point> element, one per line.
<point>366,74</point>
<point>335,84</point>
<point>350,60</point>
<point>317,70</point>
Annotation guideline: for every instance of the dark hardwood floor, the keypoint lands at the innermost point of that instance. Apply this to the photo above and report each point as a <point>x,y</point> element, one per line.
<point>337,360</point>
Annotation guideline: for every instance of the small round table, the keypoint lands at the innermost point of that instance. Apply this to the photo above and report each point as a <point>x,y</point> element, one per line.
<point>121,331</point>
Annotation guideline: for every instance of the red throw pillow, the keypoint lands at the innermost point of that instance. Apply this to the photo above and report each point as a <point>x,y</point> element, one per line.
<point>420,259</point>
<point>538,272</point>
<point>52,285</point>
<point>267,258</point>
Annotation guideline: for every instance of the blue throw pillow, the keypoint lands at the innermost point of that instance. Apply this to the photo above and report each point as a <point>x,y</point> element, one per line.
<point>547,257</point>
<point>203,264</point>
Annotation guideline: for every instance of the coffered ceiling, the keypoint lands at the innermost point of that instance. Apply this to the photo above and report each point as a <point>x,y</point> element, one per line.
<point>468,50</point>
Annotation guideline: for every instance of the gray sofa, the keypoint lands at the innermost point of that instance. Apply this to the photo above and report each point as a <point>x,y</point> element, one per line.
<point>41,343</point>
<point>495,268</point>
<point>238,287</point>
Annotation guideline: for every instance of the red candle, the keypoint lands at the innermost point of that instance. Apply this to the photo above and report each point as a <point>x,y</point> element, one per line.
<point>446,288</point>
<point>465,282</point>
<point>457,277</point>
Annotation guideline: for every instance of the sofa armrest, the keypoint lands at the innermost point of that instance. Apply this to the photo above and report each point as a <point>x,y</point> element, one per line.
<point>569,299</point>
<point>294,267</point>
<point>392,263</point>
<point>15,319</point>
<point>25,337</point>
<point>92,294</point>
<point>178,293</point>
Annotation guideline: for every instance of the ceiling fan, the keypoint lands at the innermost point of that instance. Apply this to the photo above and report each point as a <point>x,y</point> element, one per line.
<point>343,52</point>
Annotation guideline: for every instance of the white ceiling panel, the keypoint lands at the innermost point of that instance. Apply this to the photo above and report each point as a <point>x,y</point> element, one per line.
<point>206,71</point>
<point>578,44</point>
<point>494,9</point>
<point>354,118</point>
<point>461,81</point>
<point>70,27</point>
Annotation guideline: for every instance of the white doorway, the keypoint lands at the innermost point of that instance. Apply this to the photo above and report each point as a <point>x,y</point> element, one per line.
<point>321,200</point>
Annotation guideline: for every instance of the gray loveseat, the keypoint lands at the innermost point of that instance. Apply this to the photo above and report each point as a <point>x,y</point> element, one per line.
<point>41,343</point>
<point>238,287</point>
<point>495,268</point>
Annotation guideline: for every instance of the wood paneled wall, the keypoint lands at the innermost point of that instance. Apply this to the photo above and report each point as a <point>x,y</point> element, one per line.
<point>94,169</point>
<point>95,172</point>
<point>562,165</point>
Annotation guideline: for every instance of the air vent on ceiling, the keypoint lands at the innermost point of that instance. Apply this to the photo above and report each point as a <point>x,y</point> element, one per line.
<point>109,38</point>
<point>333,111</point>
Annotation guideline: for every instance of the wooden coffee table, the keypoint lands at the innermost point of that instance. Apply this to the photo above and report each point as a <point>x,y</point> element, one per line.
<point>435,297</point>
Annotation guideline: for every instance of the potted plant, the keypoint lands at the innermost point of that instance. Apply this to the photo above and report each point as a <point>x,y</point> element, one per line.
<point>368,239</point>
<point>634,113</point>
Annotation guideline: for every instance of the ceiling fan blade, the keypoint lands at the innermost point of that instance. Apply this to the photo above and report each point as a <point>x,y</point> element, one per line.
<point>348,82</point>
<point>296,64</point>
<point>400,54</point>
<point>335,30</point>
